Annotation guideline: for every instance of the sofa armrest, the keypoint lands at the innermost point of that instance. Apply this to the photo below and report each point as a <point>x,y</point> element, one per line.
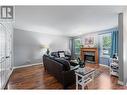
<point>68,78</point>
<point>67,55</point>
<point>73,64</point>
<point>74,67</point>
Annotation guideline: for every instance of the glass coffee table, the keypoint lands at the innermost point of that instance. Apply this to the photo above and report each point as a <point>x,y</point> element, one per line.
<point>84,76</point>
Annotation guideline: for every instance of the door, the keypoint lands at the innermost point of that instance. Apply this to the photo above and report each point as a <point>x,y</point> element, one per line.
<point>8,49</point>
<point>2,54</point>
<point>5,52</point>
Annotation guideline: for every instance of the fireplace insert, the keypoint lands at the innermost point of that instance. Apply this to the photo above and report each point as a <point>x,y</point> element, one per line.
<point>89,57</point>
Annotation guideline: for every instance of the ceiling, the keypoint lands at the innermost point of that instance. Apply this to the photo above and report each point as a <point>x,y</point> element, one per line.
<point>66,20</point>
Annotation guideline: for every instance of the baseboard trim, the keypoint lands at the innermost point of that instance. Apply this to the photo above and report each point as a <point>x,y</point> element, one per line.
<point>105,65</point>
<point>27,65</point>
<point>120,82</point>
<point>8,77</point>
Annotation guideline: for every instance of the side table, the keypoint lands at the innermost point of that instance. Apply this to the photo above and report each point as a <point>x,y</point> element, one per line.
<point>84,76</point>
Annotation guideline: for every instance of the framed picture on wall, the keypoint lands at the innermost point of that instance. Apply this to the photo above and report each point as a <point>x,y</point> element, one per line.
<point>89,41</point>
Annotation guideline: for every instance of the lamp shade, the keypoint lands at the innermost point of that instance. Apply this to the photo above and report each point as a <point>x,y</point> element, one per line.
<point>44,46</point>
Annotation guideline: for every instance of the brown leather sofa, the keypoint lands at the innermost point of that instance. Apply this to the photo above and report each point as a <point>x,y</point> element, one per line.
<point>60,69</point>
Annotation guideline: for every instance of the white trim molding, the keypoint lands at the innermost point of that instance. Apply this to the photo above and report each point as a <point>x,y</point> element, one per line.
<point>7,79</point>
<point>120,82</point>
<point>27,65</point>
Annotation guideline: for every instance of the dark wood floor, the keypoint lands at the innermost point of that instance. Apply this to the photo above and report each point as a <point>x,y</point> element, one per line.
<point>34,77</point>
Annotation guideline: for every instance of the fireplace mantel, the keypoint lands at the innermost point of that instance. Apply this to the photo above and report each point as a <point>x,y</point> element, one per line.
<point>83,50</point>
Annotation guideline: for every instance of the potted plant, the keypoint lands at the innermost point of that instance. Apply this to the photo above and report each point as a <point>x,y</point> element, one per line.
<point>81,63</point>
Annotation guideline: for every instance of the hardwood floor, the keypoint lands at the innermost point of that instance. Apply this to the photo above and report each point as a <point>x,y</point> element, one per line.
<point>34,77</point>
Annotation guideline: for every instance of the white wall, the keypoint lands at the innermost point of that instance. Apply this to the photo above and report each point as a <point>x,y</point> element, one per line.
<point>123,48</point>
<point>125,45</point>
<point>27,46</point>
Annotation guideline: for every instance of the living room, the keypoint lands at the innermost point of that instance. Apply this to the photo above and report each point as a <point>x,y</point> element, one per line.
<point>50,43</point>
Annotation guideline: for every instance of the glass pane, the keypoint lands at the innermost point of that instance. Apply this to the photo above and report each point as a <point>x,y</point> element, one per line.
<point>77,43</point>
<point>105,44</point>
<point>107,41</point>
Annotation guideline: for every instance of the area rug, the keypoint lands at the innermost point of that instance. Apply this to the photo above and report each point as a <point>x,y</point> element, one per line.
<point>97,73</point>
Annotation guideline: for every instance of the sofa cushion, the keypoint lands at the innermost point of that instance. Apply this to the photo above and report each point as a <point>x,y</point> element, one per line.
<point>55,54</point>
<point>61,53</point>
<point>66,64</point>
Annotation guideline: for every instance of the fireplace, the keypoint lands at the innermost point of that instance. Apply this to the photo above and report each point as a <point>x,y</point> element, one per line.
<point>89,55</point>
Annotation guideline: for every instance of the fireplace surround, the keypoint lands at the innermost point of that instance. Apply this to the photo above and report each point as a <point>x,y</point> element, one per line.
<point>89,55</point>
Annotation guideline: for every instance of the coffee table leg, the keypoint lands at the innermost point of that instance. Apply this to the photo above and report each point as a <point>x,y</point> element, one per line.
<point>76,81</point>
<point>83,85</point>
<point>93,75</point>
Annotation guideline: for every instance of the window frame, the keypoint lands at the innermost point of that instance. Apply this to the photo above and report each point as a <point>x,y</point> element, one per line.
<point>101,45</point>
<point>77,47</point>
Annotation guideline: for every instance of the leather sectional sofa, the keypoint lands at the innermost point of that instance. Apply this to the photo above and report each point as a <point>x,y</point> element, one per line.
<point>57,54</point>
<point>61,69</point>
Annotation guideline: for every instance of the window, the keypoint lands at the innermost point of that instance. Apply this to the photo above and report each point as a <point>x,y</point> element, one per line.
<point>77,46</point>
<point>105,44</point>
